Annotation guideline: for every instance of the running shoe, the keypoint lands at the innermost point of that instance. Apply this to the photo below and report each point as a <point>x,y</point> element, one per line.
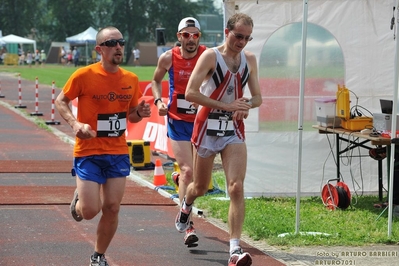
<point>182,219</point>
<point>175,177</point>
<point>191,238</point>
<point>99,261</point>
<point>239,258</point>
<point>75,199</point>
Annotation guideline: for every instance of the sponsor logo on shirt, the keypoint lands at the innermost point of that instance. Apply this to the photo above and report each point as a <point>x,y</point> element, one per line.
<point>112,96</point>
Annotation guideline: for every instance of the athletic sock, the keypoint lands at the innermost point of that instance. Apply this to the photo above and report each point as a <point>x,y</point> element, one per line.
<point>234,243</point>
<point>186,207</point>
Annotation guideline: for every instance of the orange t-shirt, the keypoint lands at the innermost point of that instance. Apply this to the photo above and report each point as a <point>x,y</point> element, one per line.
<point>104,100</point>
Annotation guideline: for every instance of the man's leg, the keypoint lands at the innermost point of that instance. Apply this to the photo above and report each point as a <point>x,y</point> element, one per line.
<point>89,203</point>
<point>202,176</point>
<point>113,192</point>
<point>203,168</point>
<point>234,158</point>
<point>183,152</point>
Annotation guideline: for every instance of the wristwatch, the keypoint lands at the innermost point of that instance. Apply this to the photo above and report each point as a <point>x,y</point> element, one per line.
<point>156,100</point>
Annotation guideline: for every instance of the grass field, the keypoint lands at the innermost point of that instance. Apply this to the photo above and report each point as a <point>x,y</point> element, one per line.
<point>267,218</point>
<point>60,74</point>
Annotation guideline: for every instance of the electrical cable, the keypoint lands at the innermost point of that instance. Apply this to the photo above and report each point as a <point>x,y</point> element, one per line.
<point>355,184</point>
<point>356,111</point>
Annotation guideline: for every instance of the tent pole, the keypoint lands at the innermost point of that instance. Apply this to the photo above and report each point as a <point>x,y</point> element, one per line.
<point>300,113</point>
<point>393,127</point>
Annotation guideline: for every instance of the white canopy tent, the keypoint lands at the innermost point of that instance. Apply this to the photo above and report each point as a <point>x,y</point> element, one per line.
<point>362,30</point>
<point>11,38</point>
<point>84,38</point>
<point>87,36</point>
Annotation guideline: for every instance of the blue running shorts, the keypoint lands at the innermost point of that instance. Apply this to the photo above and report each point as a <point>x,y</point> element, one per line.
<point>98,168</point>
<point>180,130</point>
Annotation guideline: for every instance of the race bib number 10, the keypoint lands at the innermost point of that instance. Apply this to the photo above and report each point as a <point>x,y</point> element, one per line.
<point>111,125</point>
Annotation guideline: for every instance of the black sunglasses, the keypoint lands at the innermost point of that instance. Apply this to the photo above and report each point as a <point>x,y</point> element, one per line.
<point>112,43</point>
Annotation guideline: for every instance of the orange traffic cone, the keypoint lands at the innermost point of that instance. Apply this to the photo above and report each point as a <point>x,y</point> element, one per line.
<point>159,174</point>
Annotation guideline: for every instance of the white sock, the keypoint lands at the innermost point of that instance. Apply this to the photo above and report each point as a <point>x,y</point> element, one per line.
<point>234,243</point>
<point>186,207</point>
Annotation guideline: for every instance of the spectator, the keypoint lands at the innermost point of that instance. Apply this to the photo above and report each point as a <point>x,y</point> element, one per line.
<point>43,57</point>
<point>136,54</point>
<point>22,58</point>
<point>76,55</point>
<point>69,57</point>
<point>29,58</point>
<point>63,58</point>
<point>20,51</point>
<point>3,53</point>
<point>37,58</point>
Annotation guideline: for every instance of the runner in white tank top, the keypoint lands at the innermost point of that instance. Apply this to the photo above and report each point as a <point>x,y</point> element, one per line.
<point>217,85</point>
<point>215,128</point>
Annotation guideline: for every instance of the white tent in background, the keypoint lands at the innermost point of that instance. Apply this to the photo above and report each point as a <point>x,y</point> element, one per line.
<point>367,71</point>
<point>88,36</point>
<point>11,38</point>
<point>367,44</point>
<point>84,38</point>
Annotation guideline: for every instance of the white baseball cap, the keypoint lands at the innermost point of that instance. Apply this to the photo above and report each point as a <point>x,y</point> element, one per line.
<point>185,22</point>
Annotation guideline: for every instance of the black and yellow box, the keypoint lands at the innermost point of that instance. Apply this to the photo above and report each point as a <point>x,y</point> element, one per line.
<point>140,154</point>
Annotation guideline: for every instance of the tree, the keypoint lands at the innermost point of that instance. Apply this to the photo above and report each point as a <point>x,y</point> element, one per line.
<point>69,17</point>
<point>130,17</point>
<point>168,13</point>
<point>18,16</point>
<point>136,19</point>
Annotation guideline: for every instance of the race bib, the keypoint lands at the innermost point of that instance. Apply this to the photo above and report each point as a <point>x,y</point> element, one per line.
<point>185,107</point>
<point>111,125</point>
<point>220,125</point>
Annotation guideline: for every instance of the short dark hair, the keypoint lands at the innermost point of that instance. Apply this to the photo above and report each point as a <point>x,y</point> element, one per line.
<point>239,17</point>
<point>99,34</point>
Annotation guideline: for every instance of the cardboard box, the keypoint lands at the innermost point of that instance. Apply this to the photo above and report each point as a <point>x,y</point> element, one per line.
<point>140,154</point>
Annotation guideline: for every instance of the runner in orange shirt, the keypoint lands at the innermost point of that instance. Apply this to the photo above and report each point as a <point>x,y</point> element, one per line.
<point>108,97</point>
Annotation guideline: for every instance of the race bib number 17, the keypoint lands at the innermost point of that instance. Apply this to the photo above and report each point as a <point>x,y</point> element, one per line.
<point>220,125</point>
